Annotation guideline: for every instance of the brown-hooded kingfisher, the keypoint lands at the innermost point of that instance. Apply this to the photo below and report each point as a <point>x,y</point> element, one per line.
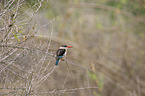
<point>61,52</point>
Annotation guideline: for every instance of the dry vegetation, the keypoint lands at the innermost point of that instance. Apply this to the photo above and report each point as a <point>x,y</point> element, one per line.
<point>107,58</point>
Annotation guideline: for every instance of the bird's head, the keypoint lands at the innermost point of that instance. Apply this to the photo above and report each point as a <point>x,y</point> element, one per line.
<point>65,46</point>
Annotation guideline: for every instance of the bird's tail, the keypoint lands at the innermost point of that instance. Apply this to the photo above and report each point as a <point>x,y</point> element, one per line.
<point>57,62</point>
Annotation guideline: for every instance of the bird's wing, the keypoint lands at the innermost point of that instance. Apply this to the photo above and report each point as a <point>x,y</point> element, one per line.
<point>60,52</point>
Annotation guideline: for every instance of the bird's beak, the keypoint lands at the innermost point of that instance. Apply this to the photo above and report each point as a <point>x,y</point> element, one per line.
<point>69,46</point>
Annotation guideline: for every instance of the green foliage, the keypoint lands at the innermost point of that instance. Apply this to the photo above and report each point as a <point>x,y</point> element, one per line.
<point>32,2</point>
<point>101,82</point>
<point>38,4</point>
<point>123,1</point>
<point>99,79</point>
<point>51,14</point>
<point>114,4</point>
<point>99,25</point>
<point>93,76</point>
<point>136,7</point>
<point>64,0</point>
<point>16,35</point>
<point>96,94</point>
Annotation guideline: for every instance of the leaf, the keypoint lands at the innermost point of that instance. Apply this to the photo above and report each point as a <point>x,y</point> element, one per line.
<point>20,31</point>
<point>123,1</point>
<point>16,36</point>
<point>92,76</point>
<point>101,82</point>
<point>99,25</point>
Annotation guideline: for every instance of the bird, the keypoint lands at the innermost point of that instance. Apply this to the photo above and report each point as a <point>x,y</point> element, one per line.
<point>61,52</point>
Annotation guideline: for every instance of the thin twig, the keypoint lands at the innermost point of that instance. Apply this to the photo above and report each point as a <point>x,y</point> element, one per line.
<point>44,78</point>
<point>11,61</point>
<point>78,65</point>
<point>70,70</point>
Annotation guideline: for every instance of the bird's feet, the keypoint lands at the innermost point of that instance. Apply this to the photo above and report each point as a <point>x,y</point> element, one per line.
<point>62,59</point>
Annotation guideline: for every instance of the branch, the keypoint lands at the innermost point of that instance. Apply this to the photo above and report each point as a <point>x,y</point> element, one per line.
<point>7,10</point>
<point>18,47</point>
<point>10,46</point>
<point>67,90</point>
<point>78,65</point>
<point>53,91</point>
<point>15,88</point>
<point>44,78</point>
